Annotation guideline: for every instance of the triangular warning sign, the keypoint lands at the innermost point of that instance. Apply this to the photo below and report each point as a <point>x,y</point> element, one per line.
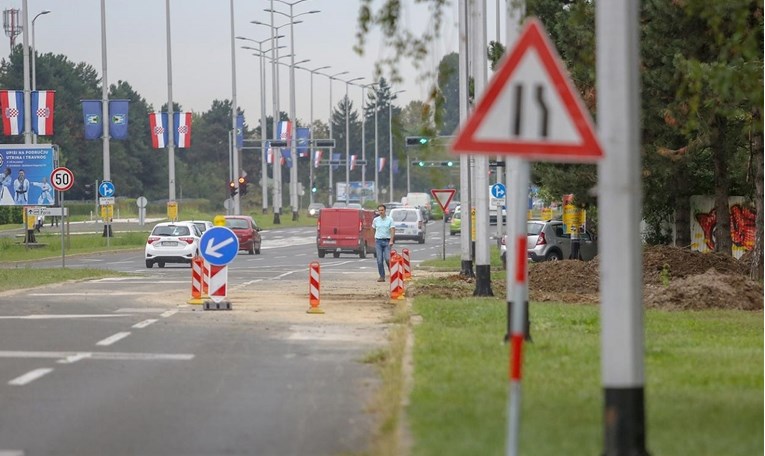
<point>443,196</point>
<point>530,108</point>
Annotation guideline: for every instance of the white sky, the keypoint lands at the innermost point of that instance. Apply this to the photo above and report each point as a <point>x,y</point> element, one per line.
<point>201,48</point>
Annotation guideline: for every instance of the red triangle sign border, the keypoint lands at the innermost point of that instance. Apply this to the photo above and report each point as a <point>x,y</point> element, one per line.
<point>449,191</point>
<point>532,36</point>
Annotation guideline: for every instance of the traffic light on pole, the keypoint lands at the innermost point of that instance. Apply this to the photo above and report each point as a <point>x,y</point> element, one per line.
<point>242,186</point>
<point>417,141</point>
<point>314,189</point>
<point>232,188</point>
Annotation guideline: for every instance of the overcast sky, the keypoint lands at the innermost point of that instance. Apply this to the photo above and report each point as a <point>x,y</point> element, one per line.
<point>201,48</point>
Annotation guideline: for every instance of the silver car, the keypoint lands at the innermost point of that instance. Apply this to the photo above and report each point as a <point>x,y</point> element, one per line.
<point>409,224</point>
<point>547,241</point>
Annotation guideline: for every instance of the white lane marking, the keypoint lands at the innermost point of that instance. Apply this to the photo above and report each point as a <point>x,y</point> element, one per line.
<point>140,280</point>
<point>244,284</point>
<point>30,376</point>
<point>112,339</point>
<point>170,313</point>
<point>141,310</point>
<point>144,323</point>
<point>74,358</point>
<point>98,293</point>
<point>97,355</point>
<point>54,317</point>
<point>284,275</point>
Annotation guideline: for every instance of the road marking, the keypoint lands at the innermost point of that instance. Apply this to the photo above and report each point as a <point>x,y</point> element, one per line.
<point>169,313</point>
<point>30,376</point>
<point>144,323</point>
<point>141,310</point>
<point>54,317</point>
<point>112,339</point>
<point>74,358</point>
<point>107,356</point>
<point>284,275</point>
<point>99,293</point>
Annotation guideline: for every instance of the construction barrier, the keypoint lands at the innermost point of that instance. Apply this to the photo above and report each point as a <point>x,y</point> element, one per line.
<point>205,279</point>
<point>396,277</point>
<point>407,265</point>
<point>313,288</point>
<point>197,280</point>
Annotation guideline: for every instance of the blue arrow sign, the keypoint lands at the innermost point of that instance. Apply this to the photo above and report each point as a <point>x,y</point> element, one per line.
<point>498,190</point>
<point>106,189</point>
<point>219,246</point>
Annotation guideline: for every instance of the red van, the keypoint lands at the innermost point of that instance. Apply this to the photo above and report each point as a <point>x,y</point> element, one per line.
<point>345,230</point>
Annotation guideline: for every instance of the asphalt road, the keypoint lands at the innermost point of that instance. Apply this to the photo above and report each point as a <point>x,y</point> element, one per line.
<point>125,366</point>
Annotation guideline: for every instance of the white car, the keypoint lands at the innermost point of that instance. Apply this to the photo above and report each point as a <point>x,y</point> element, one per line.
<point>172,242</point>
<point>409,224</point>
<point>203,225</point>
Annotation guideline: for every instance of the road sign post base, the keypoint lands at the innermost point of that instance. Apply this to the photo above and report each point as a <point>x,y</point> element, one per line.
<point>212,305</point>
<point>315,310</point>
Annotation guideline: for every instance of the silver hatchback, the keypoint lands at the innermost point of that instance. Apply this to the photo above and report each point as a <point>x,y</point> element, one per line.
<point>547,241</point>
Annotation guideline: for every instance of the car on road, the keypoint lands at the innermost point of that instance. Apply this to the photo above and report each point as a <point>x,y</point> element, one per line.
<point>409,223</point>
<point>314,208</point>
<point>455,226</point>
<point>247,232</point>
<point>202,225</point>
<point>172,242</point>
<point>449,212</point>
<point>547,241</point>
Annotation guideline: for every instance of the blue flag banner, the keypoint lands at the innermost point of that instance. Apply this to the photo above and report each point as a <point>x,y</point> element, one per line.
<point>91,114</point>
<point>394,166</point>
<point>303,137</point>
<point>286,156</point>
<point>239,131</point>
<point>336,156</point>
<point>118,119</point>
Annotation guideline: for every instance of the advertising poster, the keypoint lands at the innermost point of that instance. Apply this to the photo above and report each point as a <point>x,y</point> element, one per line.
<point>25,175</point>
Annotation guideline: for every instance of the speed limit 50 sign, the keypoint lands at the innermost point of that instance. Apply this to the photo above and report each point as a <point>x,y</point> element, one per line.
<point>62,179</point>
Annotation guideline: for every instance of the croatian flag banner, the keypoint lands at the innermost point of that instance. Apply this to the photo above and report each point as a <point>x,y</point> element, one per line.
<point>182,122</point>
<point>158,129</point>
<point>316,158</point>
<point>12,106</point>
<point>42,112</point>
<point>269,154</point>
<point>381,164</point>
<point>353,162</point>
<point>91,115</point>
<point>284,130</point>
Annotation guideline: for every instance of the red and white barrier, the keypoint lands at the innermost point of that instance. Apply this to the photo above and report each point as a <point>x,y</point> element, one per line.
<point>407,265</point>
<point>205,279</point>
<point>314,286</point>
<point>396,277</point>
<point>197,281</point>
<point>218,283</point>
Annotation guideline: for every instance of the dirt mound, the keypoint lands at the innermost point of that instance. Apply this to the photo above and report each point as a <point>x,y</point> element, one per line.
<point>673,278</point>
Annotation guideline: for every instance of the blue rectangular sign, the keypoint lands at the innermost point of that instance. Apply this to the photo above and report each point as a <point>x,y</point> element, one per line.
<point>25,175</point>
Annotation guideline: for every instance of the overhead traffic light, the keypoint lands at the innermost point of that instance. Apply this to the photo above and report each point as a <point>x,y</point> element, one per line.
<point>314,189</point>
<point>232,188</point>
<point>433,163</point>
<point>242,186</point>
<point>417,140</point>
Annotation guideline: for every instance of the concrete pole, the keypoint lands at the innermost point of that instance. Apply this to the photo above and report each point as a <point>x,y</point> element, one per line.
<point>465,160</point>
<point>170,121</point>
<point>234,149</point>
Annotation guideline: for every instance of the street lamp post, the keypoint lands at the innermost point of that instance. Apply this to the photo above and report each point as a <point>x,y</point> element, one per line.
<point>348,141</point>
<point>34,58</point>
<point>234,112</point>
<point>331,149</point>
<point>364,140</point>
<point>293,119</point>
<point>310,147</point>
<point>390,139</point>
<point>263,120</point>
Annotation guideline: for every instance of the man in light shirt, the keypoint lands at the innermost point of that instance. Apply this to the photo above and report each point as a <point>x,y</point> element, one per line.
<point>384,236</point>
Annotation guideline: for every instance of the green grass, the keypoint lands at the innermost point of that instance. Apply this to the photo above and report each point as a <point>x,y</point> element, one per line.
<point>704,381</point>
<point>16,278</point>
<point>12,250</point>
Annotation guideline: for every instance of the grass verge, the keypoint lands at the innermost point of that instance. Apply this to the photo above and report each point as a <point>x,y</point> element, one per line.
<point>50,245</point>
<point>704,380</point>
<point>13,279</point>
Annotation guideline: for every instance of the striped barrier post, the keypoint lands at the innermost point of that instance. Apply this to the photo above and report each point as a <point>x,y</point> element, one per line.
<point>205,279</point>
<point>407,265</point>
<point>196,281</point>
<point>218,289</point>
<point>314,283</point>
<point>396,278</point>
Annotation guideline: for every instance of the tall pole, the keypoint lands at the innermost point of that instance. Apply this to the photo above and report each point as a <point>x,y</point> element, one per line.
<point>348,142</point>
<point>377,158</point>
<point>104,113</point>
<point>234,149</point>
<point>311,143</point>
<point>263,128</point>
<point>466,270</point>
<point>170,119</point>
<point>293,121</point>
<point>390,142</point>
<point>34,59</point>
<point>619,197</point>
<point>27,92</point>
<point>277,153</point>
<point>331,149</point>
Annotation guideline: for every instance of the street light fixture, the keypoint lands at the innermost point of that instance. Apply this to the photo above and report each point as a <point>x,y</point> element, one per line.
<point>332,149</point>
<point>34,58</point>
<point>293,140</point>
<point>390,139</point>
<point>310,154</point>
<point>348,141</point>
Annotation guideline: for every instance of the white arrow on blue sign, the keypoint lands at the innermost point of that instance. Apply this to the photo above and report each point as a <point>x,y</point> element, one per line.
<point>498,190</point>
<point>106,188</point>
<point>219,246</point>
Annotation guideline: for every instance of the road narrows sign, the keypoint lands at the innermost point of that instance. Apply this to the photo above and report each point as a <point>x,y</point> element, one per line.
<point>530,108</point>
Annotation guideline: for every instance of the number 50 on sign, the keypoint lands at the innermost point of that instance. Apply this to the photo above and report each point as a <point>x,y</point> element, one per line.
<point>62,179</point>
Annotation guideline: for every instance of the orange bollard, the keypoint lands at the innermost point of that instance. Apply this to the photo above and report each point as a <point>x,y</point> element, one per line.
<point>396,278</point>
<point>313,288</point>
<point>407,265</point>
<point>197,263</point>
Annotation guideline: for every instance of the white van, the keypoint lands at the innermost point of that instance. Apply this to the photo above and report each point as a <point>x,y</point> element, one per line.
<point>421,200</point>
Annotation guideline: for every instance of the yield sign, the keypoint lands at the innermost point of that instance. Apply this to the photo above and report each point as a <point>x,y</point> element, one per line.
<point>530,108</point>
<point>444,197</point>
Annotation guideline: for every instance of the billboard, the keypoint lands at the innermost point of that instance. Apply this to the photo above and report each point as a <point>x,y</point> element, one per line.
<point>358,192</point>
<point>25,171</point>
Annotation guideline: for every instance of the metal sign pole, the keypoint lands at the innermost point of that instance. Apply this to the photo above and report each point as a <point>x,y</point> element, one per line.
<point>63,219</point>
